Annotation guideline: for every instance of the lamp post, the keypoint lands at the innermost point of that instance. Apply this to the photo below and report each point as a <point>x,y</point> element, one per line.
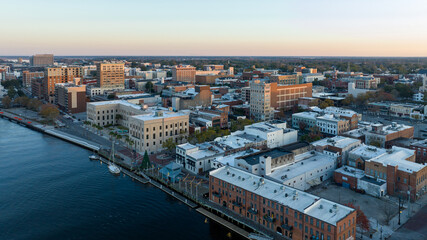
<point>399,212</point>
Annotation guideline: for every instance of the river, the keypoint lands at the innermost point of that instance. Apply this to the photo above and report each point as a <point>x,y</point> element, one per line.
<point>50,190</point>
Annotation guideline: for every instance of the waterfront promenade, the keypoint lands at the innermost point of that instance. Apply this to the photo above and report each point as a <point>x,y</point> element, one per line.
<point>188,192</point>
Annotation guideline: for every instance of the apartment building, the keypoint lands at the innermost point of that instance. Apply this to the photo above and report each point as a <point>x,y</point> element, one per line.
<point>27,76</point>
<point>286,96</point>
<point>70,98</point>
<point>54,75</point>
<point>41,60</point>
<point>111,75</point>
<point>292,213</point>
<point>332,125</point>
<point>184,73</point>
<point>288,79</point>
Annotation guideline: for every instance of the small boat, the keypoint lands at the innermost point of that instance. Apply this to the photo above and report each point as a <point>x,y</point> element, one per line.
<point>113,168</point>
<point>94,157</point>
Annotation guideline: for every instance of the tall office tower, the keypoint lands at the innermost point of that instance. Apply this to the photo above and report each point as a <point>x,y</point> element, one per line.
<point>111,75</point>
<point>54,75</point>
<point>184,73</point>
<point>260,100</point>
<point>41,60</point>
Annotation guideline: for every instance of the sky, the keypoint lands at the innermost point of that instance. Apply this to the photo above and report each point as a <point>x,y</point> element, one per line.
<point>214,28</point>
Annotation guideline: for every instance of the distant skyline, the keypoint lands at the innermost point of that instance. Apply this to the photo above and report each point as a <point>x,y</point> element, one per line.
<point>215,28</point>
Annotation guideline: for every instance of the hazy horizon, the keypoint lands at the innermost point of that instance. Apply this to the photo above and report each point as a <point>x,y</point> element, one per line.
<point>309,28</point>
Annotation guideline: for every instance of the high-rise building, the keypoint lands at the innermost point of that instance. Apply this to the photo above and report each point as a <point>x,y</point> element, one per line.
<point>111,75</point>
<point>70,98</point>
<point>260,100</point>
<point>27,76</point>
<point>54,75</point>
<point>41,60</point>
<point>184,73</point>
<point>266,97</point>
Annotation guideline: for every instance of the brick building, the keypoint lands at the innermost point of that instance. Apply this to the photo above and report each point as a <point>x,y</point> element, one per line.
<point>292,213</point>
<point>111,75</point>
<point>382,135</point>
<point>420,148</point>
<point>71,98</point>
<point>398,169</point>
<point>27,76</point>
<point>54,75</point>
<point>184,73</point>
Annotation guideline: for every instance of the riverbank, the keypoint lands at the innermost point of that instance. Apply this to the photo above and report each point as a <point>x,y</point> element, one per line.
<point>225,219</point>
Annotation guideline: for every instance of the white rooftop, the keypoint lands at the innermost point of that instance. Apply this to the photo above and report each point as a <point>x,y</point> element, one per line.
<point>350,171</point>
<point>310,115</point>
<point>367,152</point>
<point>121,102</point>
<point>187,146</point>
<point>337,141</point>
<point>295,169</point>
<point>153,116</point>
<point>397,157</point>
<point>284,195</point>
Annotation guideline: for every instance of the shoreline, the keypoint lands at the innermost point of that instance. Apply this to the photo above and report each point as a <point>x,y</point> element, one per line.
<point>200,208</point>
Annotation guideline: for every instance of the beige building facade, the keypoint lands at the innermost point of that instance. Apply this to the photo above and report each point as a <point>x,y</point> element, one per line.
<point>111,75</point>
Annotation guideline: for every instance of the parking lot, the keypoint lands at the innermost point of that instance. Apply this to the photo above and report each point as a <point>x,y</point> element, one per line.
<point>375,208</point>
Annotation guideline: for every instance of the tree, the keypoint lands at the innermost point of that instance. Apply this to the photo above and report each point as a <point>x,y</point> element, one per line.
<point>22,101</point>
<point>145,161</point>
<point>111,96</point>
<point>326,103</point>
<point>34,104</point>
<point>6,102</point>
<point>348,100</point>
<point>302,125</point>
<point>49,111</point>
<point>149,87</point>
<point>170,145</point>
<point>11,92</point>
<point>361,220</point>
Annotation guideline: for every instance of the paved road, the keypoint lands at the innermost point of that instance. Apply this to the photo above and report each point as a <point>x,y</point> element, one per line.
<point>414,229</point>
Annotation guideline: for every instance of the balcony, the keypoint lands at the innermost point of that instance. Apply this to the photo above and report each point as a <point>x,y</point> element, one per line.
<point>237,204</point>
<point>217,194</point>
<point>269,218</point>
<point>287,227</point>
<point>253,211</point>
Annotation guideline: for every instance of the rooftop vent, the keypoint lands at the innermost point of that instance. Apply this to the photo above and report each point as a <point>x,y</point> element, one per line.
<point>321,206</point>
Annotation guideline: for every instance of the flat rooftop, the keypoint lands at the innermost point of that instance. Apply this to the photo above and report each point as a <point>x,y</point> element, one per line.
<point>322,209</point>
<point>367,152</point>
<point>338,141</point>
<point>273,153</point>
<point>397,157</point>
<point>297,168</point>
